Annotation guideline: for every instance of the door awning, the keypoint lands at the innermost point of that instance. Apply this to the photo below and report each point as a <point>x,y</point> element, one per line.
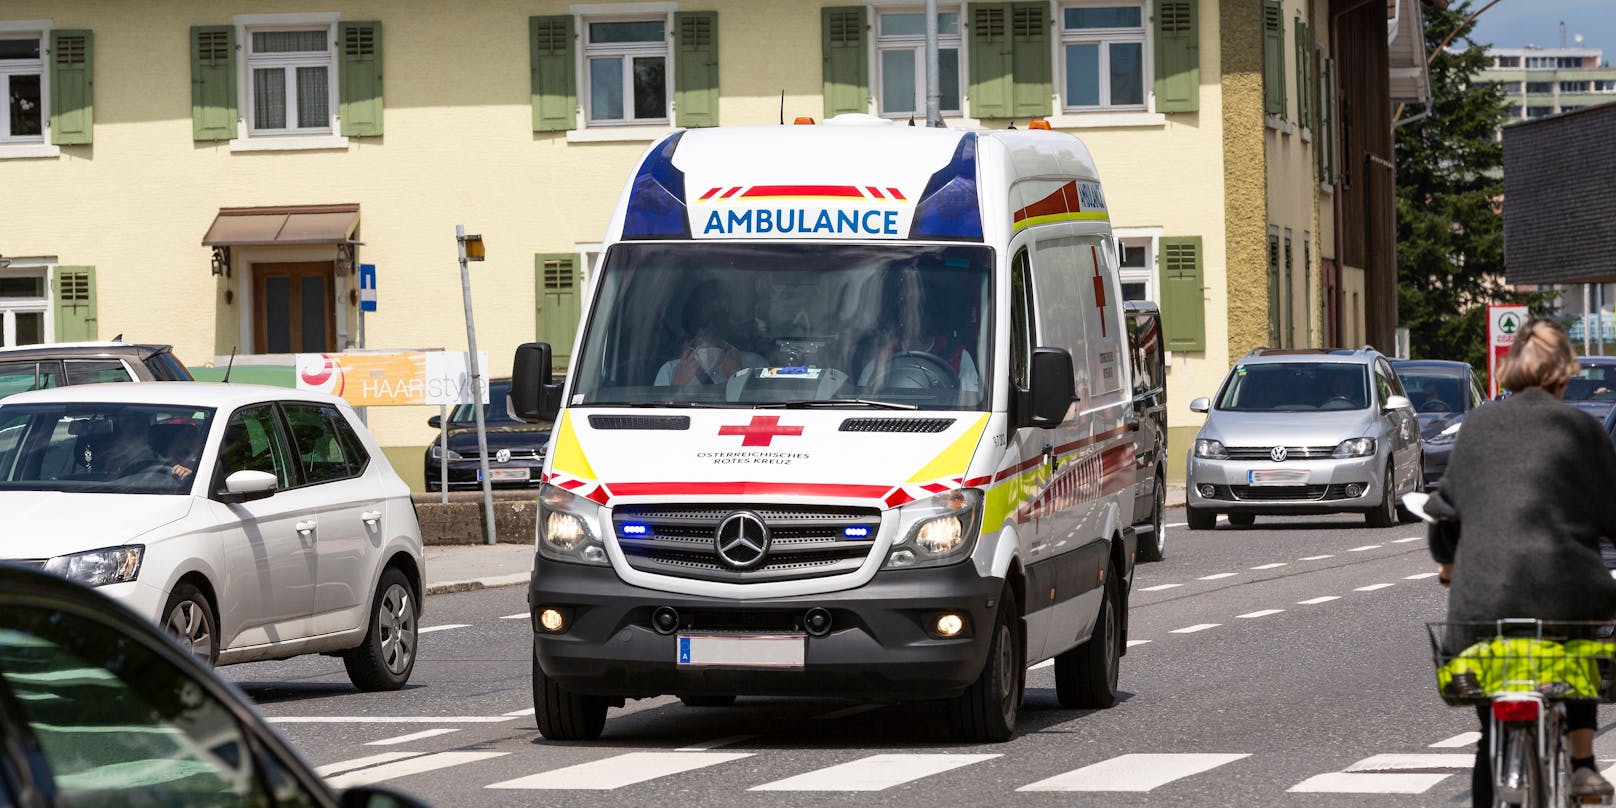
<point>283,226</point>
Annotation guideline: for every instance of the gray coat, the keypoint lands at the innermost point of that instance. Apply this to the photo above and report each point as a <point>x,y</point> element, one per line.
<point>1532,487</point>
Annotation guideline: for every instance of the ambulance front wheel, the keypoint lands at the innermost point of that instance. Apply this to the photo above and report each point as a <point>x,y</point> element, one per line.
<point>563,715</point>
<point>986,712</point>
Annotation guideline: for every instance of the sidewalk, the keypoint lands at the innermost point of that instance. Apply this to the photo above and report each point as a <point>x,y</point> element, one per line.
<point>464,567</point>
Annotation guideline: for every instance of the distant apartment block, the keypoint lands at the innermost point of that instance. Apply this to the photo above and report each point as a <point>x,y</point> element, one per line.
<point>1539,82</point>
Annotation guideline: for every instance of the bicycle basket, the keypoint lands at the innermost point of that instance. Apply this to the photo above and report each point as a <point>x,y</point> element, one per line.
<point>1560,660</point>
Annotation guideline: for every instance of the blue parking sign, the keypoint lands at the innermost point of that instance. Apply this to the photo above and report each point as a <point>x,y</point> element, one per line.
<point>367,287</point>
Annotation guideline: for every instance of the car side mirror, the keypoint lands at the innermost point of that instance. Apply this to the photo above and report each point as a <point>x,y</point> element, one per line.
<point>1053,388</point>
<point>1398,403</point>
<point>1202,404</point>
<point>247,485</point>
<point>436,422</point>
<point>535,395</point>
<point>372,797</point>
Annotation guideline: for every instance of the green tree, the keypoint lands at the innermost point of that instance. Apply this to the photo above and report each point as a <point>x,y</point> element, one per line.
<point>1450,237</point>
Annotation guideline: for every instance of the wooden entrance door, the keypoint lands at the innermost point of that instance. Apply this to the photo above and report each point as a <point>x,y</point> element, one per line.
<point>293,310</point>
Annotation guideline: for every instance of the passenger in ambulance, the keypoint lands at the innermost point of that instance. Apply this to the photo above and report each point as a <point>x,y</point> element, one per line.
<point>709,355</point>
<point>924,344</point>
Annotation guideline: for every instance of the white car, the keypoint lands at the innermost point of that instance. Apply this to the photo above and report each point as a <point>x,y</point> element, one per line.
<point>252,522</point>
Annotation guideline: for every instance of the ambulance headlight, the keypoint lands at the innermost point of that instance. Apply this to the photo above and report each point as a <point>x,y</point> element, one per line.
<point>938,530</point>
<point>566,528</point>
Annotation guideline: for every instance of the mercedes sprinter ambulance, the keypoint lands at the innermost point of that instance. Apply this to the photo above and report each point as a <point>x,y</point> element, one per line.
<point>849,415</point>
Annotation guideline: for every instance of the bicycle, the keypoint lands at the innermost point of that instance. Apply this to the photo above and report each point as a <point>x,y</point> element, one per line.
<point>1526,669</point>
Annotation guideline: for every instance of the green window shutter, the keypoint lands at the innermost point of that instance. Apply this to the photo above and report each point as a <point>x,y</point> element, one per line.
<point>1326,143</point>
<point>1029,52</point>
<point>74,288</point>
<point>695,68</point>
<point>991,75</point>
<point>555,86</point>
<point>1178,57</point>
<point>361,78</point>
<point>1183,301</point>
<point>847,84</point>
<point>1274,338</point>
<point>556,281</point>
<point>1273,58</point>
<point>213,82</point>
<point>72,78</point>
<point>1304,101</point>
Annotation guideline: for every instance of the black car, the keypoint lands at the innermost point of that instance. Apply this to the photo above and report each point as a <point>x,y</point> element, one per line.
<point>1145,347</point>
<point>515,448</point>
<point>98,707</point>
<point>1443,394</point>
<point>1595,382</point>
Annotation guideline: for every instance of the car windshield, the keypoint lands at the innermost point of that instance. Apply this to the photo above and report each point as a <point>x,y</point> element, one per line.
<point>1434,391</point>
<point>98,447</point>
<point>737,325</point>
<point>494,412</point>
<point>1296,387</point>
<point>1595,382</point>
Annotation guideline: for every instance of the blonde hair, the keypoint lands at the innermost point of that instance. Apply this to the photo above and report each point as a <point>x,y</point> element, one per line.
<point>1541,357</point>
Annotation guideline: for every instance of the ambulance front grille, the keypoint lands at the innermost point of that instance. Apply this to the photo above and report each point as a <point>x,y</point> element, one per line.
<point>804,542</point>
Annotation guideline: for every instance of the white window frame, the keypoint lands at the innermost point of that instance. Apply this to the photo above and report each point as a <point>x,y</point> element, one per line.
<point>588,256</point>
<point>10,307</point>
<point>29,146</point>
<point>1105,37</point>
<point>626,51</point>
<point>293,139</point>
<point>917,43</point>
<point>1150,239</point>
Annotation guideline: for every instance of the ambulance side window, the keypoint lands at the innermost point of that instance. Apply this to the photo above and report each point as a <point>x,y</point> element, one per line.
<point>1022,323</point>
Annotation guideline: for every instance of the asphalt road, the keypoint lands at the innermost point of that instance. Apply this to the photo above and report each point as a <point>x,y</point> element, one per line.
<point>1284,664</point>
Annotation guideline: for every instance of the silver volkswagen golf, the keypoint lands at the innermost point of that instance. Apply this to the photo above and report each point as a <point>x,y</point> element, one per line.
<point>1304,431</point>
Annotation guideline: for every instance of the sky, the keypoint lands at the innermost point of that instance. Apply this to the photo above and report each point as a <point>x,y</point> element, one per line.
<point>1518,23</point>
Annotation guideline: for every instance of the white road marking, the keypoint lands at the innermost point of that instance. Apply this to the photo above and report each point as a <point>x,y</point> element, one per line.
<point>1159,587</point>
<point>519,713</point>
<point>709,745</point>
<point>1194,628</point>
<point>1132,643</point>
<point>1368,783</point>
<point>1045,664</point>
<point>1420,577</point>
<point>404,768</point>
<point>1318,600</point>
<point>847,711</point>
<point>1372,587</point>
<point>1459,741</point>
<point>517,616</point>
<point>1262,613</point>
<point>1274,565</point>
<point>359,763</point>
<point>1215,576</point>
<point>1315,558</point>
<point>389,719</point>
<point>444,627</point>
<point>1407,540</point>
<point>1363,548</point>
<point>1135,772</point>
<point>620,770</point>
<point>414,736</point>
<point>1382,763</point>
<point>874,773</point>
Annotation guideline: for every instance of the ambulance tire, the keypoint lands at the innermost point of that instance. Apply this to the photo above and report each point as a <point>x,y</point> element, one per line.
<point>707,701</point>
<point>563,715</point>
<point>1086,676</point>
<point>986,712</point>
<point>1200,518</point>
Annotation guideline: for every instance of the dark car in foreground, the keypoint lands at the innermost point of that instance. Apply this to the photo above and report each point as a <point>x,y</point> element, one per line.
<point>1443,393</point>
<point>515,448</point>
<point>98,708</point>
<point>35,367</point>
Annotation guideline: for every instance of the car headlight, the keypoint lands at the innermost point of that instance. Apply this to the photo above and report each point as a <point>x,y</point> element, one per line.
<point>108,565</point>
<point>566,529</point>
<point>1210,449</point>
<point>937,531</point>
<point>1355,447</point>
<point>1448,435</point>
<point>437,454</point>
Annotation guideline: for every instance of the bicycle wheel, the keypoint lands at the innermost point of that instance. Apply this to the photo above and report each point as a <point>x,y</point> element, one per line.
<point>1518,778</point>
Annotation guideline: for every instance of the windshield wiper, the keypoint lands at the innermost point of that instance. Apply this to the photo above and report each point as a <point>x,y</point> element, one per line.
<point>682,404</point>
<point>808,403</point>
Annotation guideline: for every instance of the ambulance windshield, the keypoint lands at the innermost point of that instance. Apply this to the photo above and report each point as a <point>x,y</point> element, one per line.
<point>743,325</point>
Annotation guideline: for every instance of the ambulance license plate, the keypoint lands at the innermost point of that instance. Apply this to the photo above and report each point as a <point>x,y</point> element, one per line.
<point>742,650</point>
<point>1278,477</point>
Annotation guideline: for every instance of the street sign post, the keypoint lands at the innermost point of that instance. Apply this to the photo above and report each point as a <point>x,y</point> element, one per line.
<point>367,287</point>
<point>1502,323</point>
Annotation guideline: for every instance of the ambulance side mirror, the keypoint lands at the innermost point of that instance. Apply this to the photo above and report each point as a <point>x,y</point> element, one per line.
<point>1053,389</point>
<point>535,395</point>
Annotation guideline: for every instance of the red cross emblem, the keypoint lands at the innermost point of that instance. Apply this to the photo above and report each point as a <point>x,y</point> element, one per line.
<point>761,431</point>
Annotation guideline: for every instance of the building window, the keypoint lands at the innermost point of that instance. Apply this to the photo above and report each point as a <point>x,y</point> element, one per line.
<point>1604,85</point>
<point>1573,86</point>
<point>1509,61</point>
<point>901,62</point>
<point>1103,56</point>
<point>626,68</point>
<point>1137,259</point>
<point>1536,87</point>
<point>1539,112</point>
<point>1569,62</point>
<point>22,76</point>
<point>24,307</point>
<point>291,80</point>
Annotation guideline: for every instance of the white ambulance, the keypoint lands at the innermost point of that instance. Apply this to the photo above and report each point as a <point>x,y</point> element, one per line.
<point>849,415</point>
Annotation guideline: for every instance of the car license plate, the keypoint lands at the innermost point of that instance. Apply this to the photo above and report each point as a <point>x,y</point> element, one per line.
<point>498,475</point>
<point>742,651</point>
<point>1278,477</point>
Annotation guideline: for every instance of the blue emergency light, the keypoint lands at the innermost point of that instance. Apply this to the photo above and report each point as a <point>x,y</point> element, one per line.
<point>635,529</point>
<point>856,532</point>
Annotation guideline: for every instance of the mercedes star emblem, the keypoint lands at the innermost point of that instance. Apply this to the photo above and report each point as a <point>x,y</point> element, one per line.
<point>1278,454</point>
<point>742,540</point>
<point>502,456</point>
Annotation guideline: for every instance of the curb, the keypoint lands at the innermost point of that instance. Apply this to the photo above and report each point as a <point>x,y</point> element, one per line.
<point>474,584</point>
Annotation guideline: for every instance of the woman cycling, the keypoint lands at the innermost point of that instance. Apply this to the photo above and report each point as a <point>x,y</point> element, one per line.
<point>1531,485</point>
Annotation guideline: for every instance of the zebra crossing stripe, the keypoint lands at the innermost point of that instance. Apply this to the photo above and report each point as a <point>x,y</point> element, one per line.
<point>620,770</point>
<point>1368,783</point>
<point>874,773</point>
<point>413,765</point>
<point>1134,772</point>
<point>359,763</point>
<point>1424,761</point>
<point>1459,741</point>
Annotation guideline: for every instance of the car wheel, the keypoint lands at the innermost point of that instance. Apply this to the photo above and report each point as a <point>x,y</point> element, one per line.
<point>1086,676</point>
<point>707,701</point>
<point>387,656</point>
<point>1200,518</point>
<point>1242,519</point>
<point>563,715</point>
<point>1156,548</point>
<point>1385,514</point>
<point>987,710</point>
<point>189,619</point>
